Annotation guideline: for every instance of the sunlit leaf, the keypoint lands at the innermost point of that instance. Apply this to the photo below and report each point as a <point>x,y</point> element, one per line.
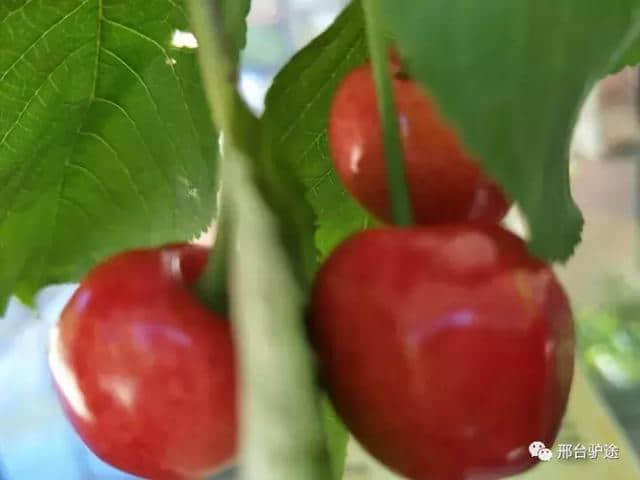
<point>105,139</point>
<point>296,113</point>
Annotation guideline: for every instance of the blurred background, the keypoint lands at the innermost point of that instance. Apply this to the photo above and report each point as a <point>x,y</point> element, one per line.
<point>603,278</point>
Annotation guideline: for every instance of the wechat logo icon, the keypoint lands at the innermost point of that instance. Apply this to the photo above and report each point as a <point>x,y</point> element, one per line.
<point>539,450</point>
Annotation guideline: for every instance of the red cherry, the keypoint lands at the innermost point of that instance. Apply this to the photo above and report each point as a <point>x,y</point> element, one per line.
<point>445,183</point>
<point>145,373</point>
<point>447,350</point>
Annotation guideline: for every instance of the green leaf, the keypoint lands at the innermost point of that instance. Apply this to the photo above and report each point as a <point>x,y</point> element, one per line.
<point>105,138</point>
<point>512,76</point>
<point>285,195</point>
<point>630,54</point>
<point>281,428</point>
<point>337,437</point>
<point>295,120</point>
<point>235,13</point>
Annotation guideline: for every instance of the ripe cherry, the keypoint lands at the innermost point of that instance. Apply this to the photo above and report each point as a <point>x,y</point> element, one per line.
<point>445,183</point>
<point>447,350</point>
<point>145,372</point>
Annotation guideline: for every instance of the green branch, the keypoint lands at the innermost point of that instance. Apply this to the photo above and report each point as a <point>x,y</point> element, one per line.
<point>216,64</point>
<point>212,284</point>
<point>378,47</point>
<point>235,122</point>
<point>281,433</point>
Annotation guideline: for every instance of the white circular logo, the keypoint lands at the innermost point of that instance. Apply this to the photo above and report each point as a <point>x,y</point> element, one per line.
<point>535,447</point>
<point>545,454</point>
<point>539,450</point>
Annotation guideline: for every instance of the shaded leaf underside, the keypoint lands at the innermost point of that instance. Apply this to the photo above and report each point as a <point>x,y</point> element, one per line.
<point>512,77</point>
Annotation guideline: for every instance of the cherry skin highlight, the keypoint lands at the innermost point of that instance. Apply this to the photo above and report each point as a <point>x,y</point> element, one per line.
<point>446,184</point>
<point>145,372</point>
<point>446,350</point>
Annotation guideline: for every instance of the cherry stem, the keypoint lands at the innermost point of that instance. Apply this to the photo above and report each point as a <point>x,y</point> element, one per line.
<point>211,287</point>
<point>216,62</point>
<point>233,119</point>
<point>396,177</point>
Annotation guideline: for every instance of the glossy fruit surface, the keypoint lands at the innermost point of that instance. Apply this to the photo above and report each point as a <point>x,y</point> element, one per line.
<point>445,184</point>
<point>447,350</point>
<point>145,373</point>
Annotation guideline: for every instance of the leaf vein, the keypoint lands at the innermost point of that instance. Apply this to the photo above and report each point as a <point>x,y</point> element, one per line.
<point>351,49</point>
<point>43,35</point>
<point>313,143</point>
<point>164,51</point>
<point>93,177</point>
<point>130,119</point>
<point>78,206</point>
<point>98,43</point>
<point>15,11</point>
<point>156,109</point>
<point>21,114</point>
<point>97,137</point>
